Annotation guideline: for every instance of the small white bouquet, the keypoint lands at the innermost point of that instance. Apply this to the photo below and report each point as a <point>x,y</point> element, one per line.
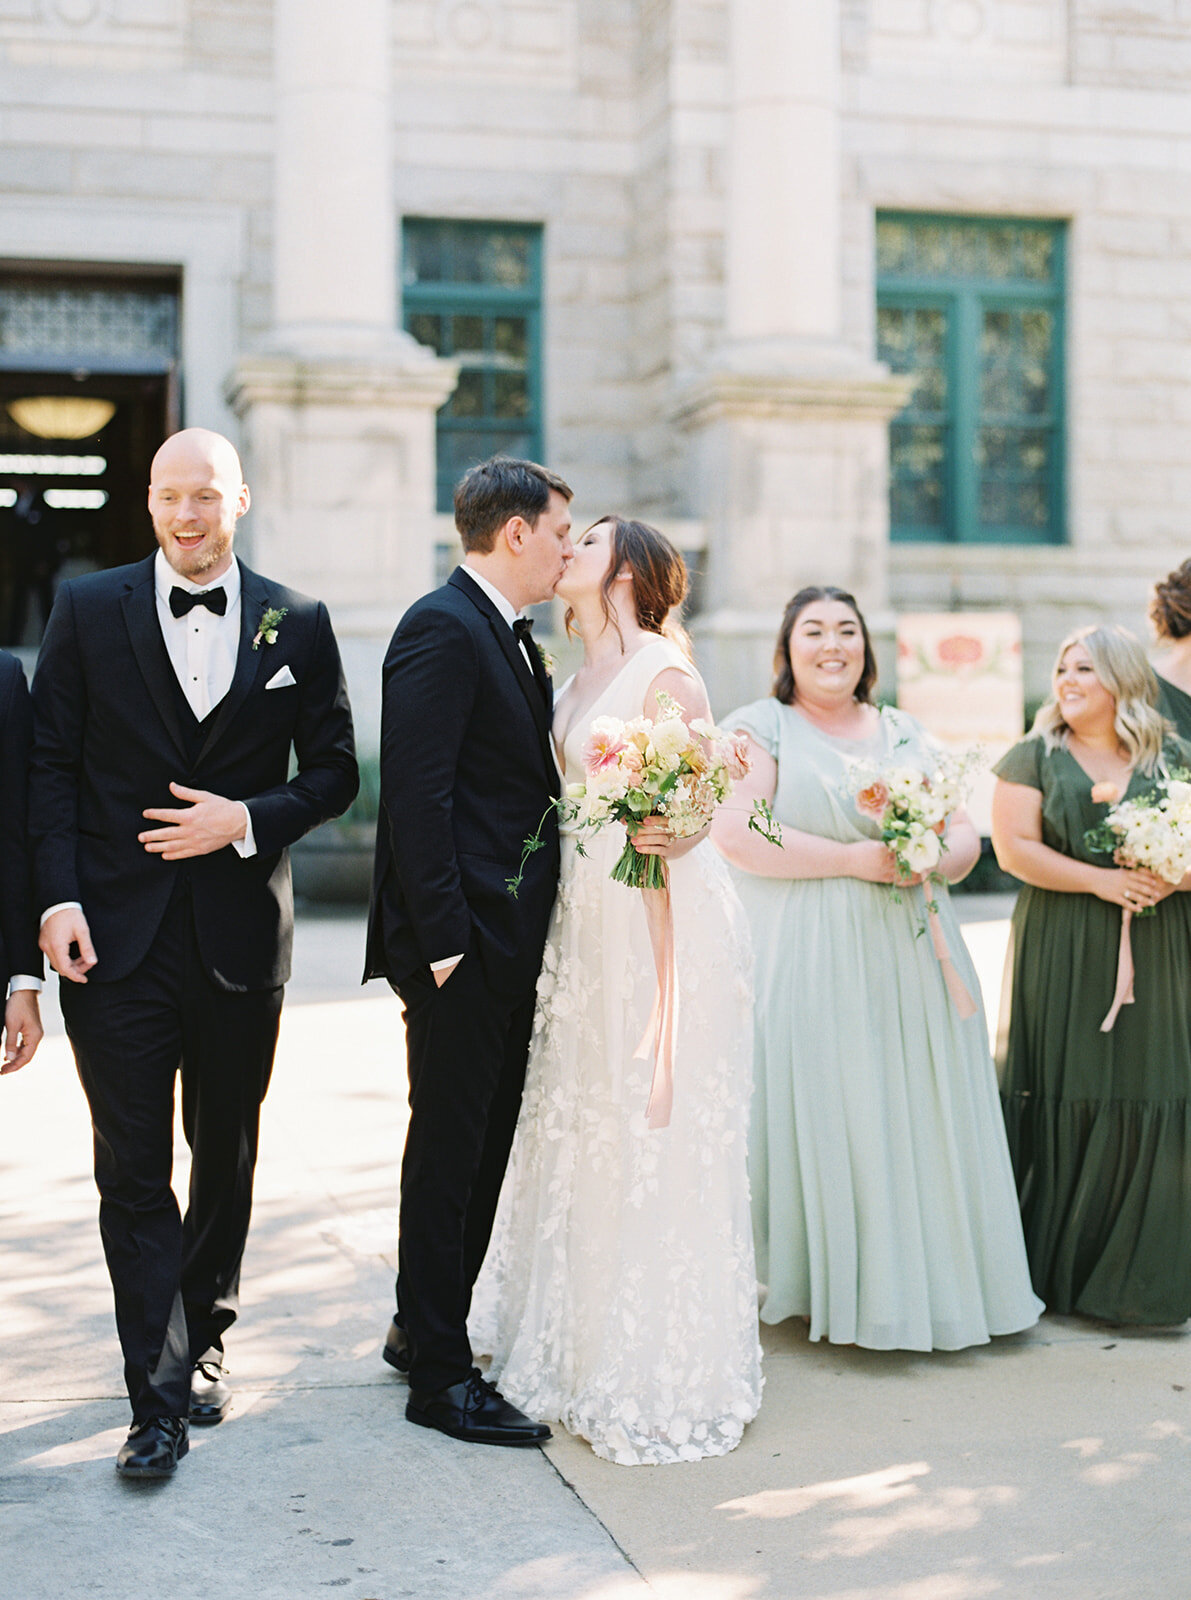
<point>1152,832</point>
<point>912,807</point>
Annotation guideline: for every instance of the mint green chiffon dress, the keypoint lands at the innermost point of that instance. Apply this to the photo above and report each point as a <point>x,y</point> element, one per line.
<point>884,1206</point>
<point>1099,1123</point>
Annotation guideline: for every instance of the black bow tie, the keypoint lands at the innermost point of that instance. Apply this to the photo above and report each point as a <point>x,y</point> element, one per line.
<point>182,601</point>
<point>523,633</point>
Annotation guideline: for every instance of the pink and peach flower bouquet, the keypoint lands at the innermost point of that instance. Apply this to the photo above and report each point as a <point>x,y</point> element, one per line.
<point>646,767</point>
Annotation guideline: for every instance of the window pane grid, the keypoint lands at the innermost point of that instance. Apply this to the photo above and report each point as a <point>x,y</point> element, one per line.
<point>472,292</point>
<point>972,309</point>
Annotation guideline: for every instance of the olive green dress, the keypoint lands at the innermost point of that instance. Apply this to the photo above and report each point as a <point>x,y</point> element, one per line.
<point>1099,1124</point>
<point>1175,703</point>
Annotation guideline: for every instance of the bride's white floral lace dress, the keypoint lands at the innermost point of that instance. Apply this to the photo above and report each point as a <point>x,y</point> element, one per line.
<point>619,1293</point>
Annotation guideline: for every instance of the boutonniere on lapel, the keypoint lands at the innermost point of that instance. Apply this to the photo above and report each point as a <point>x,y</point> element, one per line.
<point>269,625</point>
<point>546,658</point>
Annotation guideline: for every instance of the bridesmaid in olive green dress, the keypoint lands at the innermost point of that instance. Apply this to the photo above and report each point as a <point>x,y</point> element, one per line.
<point>1170,614</point>
<point>1099,1123</point>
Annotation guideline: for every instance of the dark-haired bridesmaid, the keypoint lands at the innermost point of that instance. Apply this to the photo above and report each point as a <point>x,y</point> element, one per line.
<point>1170,614</point>
<point>883,1199</point>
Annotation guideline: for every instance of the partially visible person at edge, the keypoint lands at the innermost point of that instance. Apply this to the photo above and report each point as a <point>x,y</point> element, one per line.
<point>20,959</point>
<point>1099,1122</point>
<point>1170,616</point>
<point>579,1302</point>
<point>466,774</point>
<point>883,1200</point>
<point>167,699</point>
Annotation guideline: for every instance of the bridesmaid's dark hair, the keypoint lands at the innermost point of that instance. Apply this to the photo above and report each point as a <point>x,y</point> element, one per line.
<point>1170,609</point>
<point>659,574</point>
<point>783,673</point>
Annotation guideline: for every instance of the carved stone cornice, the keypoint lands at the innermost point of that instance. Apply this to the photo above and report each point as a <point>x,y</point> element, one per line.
<point>354,379</point>
<point>870,393</point>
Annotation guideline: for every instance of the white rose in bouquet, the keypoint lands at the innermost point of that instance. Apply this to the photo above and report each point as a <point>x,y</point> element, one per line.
<point>921,851</point>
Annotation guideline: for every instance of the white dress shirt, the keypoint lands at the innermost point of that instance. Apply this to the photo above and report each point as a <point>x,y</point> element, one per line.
<point>202,649</point>
<point>201,646</point>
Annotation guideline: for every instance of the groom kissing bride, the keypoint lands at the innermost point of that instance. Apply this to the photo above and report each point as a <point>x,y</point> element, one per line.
<point>467,773</point>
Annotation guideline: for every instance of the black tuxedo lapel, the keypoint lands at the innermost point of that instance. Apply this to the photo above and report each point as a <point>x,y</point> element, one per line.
<point>512,652</point>
<point>254,602</point>
<point>144,632</point>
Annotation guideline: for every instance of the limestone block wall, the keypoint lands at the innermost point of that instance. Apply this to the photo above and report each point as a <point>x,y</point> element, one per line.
<point>128,127</point>
<point>528,114</point>
<point>1059,122</point>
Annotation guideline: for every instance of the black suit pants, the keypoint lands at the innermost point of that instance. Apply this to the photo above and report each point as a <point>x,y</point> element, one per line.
<point>467,1049</point>
<point>176,1280</point>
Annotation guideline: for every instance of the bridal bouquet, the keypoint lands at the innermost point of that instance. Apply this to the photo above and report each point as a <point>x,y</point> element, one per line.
<point>662,767</point>
<point>670,768</point>
<point>911,806</point>
<point>1152,832</point>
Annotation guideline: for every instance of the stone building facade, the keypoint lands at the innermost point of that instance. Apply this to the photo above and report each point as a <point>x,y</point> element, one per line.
<point>891,293</point>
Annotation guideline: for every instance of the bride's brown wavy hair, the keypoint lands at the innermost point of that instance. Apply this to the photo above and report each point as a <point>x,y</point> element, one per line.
<point>660,579</point>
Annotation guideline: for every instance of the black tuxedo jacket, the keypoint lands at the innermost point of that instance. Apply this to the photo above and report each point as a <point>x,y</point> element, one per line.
<point>466,775</point>
<point>109,737</point>
<point>18,923</point>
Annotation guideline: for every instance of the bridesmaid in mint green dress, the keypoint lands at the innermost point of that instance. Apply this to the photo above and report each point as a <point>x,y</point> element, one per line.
<point>1099,1122</point>
<point>884,1207</point>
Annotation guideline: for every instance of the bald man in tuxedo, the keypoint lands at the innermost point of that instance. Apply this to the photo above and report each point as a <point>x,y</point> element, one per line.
<point>167,701</point>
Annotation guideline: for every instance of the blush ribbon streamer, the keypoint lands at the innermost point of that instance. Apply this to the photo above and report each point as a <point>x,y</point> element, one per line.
<point>956,987</point>
<point>1123,995</point>
<point>662,1027</point>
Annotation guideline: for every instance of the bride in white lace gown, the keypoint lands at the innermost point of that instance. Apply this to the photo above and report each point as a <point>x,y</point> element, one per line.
<point>619,1292</point>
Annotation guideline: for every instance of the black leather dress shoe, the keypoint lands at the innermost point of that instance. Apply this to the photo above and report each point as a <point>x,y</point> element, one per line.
<point>396,1349</point>
<point>476,1411</point>
<point>153,1449</point>
<point>210,1394</point>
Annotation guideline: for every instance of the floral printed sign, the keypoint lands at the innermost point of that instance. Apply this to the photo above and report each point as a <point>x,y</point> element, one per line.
<point>960,674</point>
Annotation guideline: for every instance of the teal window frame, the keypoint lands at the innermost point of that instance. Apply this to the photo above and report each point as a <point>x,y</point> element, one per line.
<point>451,294</point>
<point>965,298</point>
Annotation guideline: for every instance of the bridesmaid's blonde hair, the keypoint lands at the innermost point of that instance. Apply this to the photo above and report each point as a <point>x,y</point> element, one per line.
<point>1121,666</point>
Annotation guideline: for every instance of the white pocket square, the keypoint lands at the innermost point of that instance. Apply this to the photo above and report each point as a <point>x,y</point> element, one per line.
<point>283,678</point>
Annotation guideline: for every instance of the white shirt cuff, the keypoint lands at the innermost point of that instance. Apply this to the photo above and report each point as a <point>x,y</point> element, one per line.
<point>23,980</point>
<point>448,961</point>
<point>63,905</point>
<point>246,846</point>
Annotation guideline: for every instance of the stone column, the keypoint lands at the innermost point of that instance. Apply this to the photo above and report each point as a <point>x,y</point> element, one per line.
<point>337,403</point>
<point>334,258</point>
<point>787,426</point>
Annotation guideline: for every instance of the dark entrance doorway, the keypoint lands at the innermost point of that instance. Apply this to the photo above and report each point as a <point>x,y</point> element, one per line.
<point>87,392</point>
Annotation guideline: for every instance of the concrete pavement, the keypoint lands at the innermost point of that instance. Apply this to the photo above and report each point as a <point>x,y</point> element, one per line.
<point>1054,1464</point>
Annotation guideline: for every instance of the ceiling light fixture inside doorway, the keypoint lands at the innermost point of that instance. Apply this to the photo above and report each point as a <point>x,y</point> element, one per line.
<point>61,416</point>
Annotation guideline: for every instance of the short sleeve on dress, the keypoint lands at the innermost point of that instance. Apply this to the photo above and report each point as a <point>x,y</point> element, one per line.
<point>761,721</point>
<point>1022,764</point>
